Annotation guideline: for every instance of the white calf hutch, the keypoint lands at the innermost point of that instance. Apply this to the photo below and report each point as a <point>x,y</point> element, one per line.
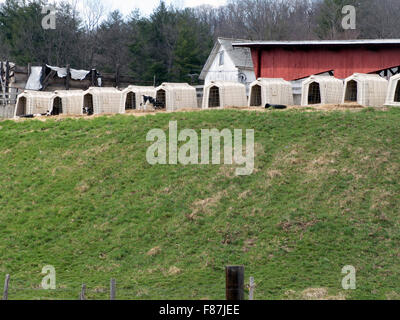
<point>175,96</point>
<point>132,97</point>
<point>68,102</point>
<point>365,89</point>
<point>33,102</point>
<point>393,94</point>
<point>220,94</point>
<point>270,91</point>
<point>321,90</point>
<point>103,100</point>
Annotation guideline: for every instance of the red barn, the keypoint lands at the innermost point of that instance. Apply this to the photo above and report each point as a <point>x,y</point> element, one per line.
<point>293,60</point>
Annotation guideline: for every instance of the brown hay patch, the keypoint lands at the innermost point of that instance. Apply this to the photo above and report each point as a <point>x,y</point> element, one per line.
<point>313,294</point>
<point>204,206</point>
<point>154,251</point>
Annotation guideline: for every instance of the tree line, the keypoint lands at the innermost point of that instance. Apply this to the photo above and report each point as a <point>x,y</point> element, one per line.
<point>172,44</point>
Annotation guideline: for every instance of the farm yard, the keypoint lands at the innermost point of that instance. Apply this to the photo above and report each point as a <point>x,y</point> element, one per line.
<point>79,195</point>
<point>194,150</point>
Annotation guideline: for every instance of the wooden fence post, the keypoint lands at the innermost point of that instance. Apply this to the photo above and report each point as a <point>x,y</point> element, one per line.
<point>113,286</point>
<point>117,76</point>
<point>7,81</point>
<point>83,290</point>
<point>251,289</point>
<point>234,283</point>
<point>93,77</point>
<point>6,284</point>
<point>68,78</point>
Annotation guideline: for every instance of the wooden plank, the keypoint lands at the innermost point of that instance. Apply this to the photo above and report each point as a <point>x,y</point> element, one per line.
<point>117,76</point>
<point>68,77</point>
<point>46,81</point>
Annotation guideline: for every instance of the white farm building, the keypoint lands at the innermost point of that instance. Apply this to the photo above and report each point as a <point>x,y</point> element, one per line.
<point>226,63</point>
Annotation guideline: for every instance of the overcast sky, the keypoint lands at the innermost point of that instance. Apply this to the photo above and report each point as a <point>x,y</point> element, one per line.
<point>147,6</point>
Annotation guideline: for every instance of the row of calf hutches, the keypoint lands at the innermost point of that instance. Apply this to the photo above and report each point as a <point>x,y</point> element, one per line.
<point>364,89</point>
<point>96,100</point>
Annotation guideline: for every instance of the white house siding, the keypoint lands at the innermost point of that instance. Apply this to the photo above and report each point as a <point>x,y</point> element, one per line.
<point>225,72</point>
<point>236,62</point>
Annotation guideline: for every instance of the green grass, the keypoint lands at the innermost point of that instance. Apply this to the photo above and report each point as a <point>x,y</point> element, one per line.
<point>79,195</point>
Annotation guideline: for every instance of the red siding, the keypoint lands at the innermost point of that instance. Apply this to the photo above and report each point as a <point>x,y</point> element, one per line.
<point>300,63</point>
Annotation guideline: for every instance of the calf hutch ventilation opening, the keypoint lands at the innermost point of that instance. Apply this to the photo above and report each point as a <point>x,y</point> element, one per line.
<point>130,102</point>
<point>270,91</point>
<point>221,94</point>
<point>397,93</point>
<point>351,91</point>
<point>255,96</point>
<point>57,106</point>
<point>321,90</point>
<point>393,94</point>
<point>88,103</point>
<point>161,98</point>
<point>314,93</point>
<point>214,100</point>
<point>21,107</point>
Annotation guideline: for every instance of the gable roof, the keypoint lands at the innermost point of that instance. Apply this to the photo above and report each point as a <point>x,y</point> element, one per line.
<point>241,56</point>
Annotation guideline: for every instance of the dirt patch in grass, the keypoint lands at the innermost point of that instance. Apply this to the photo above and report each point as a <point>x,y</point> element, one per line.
<point>313,294</point>
<point>205,206</point>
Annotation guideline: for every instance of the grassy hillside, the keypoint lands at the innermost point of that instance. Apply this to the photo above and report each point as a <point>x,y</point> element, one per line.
<point>78,194</point>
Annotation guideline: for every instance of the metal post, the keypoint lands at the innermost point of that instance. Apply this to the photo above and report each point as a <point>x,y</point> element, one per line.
<point>6,284</point>
<point>113,285</point>
<point>83,290</point>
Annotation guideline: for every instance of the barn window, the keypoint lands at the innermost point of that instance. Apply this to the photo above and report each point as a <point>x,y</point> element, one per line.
<point>88,103</point>
<point>57,106</point>
<point>397,93</point>
<point>214,99</point>
<point>130,103</point>
<point>161,98</point>
<point>221,58</point>
<point>21,107</point>
<point>351,91</point>
<point>255,99</point>
<point>314,93</point>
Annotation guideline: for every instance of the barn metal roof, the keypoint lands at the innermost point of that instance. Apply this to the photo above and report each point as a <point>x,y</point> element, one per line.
<point>377,42</point>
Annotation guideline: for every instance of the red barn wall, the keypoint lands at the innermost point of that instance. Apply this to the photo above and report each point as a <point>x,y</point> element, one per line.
<point>292,64</point>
